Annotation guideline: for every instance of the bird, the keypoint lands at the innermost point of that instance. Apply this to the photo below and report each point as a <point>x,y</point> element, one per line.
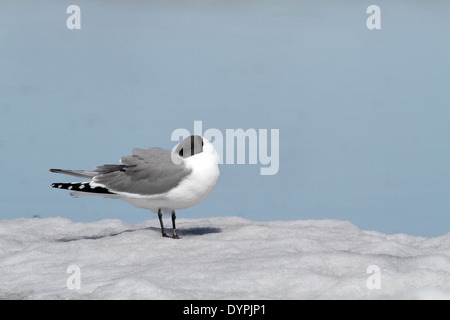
<point>156,179</point>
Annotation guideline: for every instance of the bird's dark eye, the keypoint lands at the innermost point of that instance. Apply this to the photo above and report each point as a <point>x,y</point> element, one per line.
<point>202,142</point>
<point>181,153</point>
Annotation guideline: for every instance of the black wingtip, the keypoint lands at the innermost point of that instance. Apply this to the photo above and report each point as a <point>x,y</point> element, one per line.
<point>81,187</point>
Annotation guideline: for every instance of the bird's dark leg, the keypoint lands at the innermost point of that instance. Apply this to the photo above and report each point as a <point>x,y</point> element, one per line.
<point>174,235</point>
<point>161,223</point>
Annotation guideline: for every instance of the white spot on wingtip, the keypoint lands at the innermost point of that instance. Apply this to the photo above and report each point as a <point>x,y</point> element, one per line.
<point>60,186</point>
<point>70,188</point>
<point>81,187</point>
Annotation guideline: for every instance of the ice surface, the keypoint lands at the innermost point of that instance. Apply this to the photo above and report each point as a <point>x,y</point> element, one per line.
<point>218,258</point>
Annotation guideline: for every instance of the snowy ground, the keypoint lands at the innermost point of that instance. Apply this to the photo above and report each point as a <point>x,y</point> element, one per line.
<point>217,258</point>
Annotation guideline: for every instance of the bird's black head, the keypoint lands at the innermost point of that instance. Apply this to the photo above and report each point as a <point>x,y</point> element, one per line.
<point>190,146</point>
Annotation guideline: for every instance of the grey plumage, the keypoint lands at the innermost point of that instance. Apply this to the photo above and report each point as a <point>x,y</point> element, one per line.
<point>75,173</point>
<point>145,172</point>
<point>107,168</point>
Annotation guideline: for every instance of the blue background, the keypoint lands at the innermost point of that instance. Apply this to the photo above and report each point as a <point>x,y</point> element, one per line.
<point>363,114</point>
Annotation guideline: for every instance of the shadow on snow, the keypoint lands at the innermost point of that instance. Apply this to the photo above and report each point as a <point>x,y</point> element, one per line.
<point>195,231</point>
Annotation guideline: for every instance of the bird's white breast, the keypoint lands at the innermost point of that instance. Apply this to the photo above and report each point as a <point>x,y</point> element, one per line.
<point>193,189</point>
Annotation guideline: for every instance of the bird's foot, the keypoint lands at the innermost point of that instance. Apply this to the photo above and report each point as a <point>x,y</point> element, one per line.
<point>174,236</point>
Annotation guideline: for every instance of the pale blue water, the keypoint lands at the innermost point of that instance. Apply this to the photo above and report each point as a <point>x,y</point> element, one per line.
<point>363,115</point>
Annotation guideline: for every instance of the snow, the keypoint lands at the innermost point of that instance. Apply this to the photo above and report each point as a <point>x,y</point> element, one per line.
<point>217,258</point>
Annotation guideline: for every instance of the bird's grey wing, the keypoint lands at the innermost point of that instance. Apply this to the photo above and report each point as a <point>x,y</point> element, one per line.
<point>76,173</point>
<point>107,168</point>
<point>146,172</point>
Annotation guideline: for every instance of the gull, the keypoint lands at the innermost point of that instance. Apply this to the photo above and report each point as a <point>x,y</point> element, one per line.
<point>154,178</point>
